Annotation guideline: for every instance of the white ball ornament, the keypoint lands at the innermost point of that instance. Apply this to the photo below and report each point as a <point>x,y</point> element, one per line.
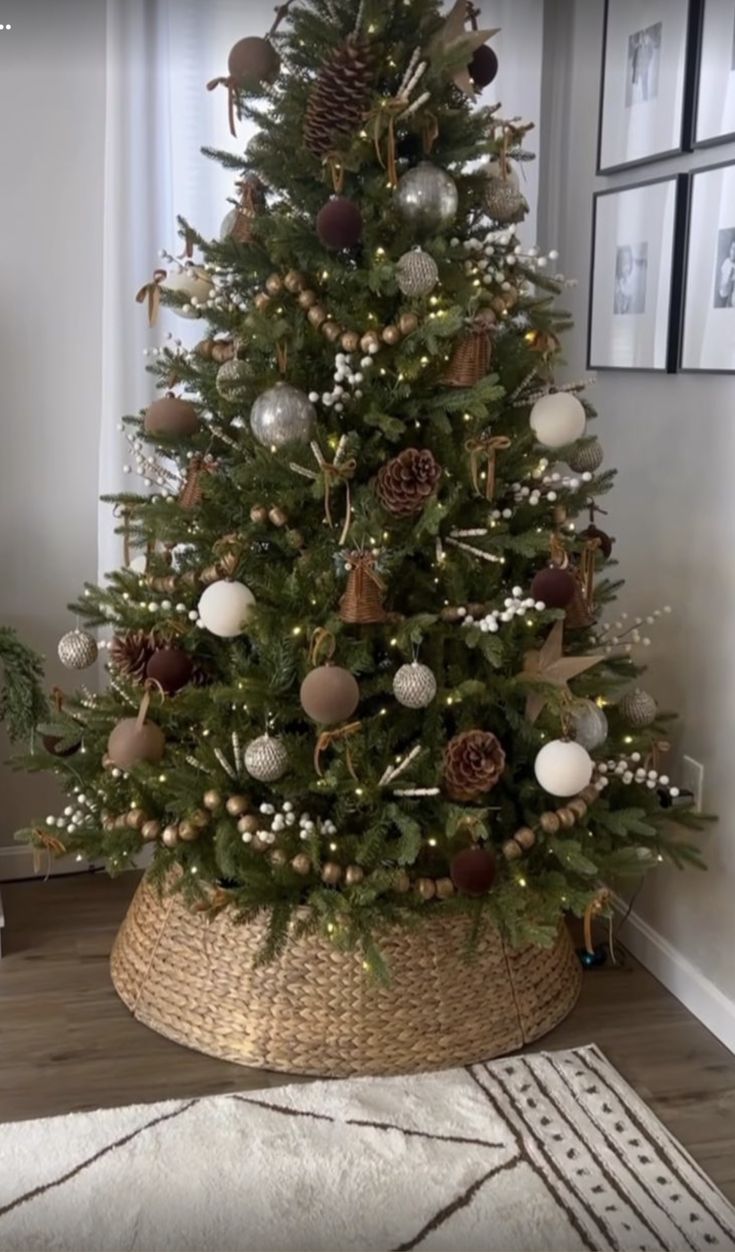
<point>225,607</point>
<point>194,284</point>
<point>414,686</point>
<point>558,419</point>
<point>266,758</point>
<point>563,768</point>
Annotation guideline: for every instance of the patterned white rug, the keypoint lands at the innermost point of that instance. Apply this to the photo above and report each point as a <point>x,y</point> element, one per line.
<point>552,1151</point>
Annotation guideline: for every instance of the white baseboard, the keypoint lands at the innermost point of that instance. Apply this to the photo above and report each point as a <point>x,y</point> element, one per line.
<point>680,977</point>
<point>17,862</point>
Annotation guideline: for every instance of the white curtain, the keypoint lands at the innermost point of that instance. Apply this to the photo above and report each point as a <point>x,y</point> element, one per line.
<point>160,55</point>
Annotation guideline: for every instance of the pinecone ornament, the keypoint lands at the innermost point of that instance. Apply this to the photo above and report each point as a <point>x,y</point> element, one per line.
<point>340,96</point>
<point>473,763</point>
<point>406,483</point>
<point>130,654</point>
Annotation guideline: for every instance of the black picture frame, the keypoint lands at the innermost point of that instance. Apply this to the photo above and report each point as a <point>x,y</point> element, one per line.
<point>693,25</point>
<point>712,141</point>
<point>685,246</point>
<point>673,329</point>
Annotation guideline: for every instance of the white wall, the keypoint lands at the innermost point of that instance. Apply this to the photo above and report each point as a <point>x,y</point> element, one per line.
<point>672,511</point>
<point>51,148</point>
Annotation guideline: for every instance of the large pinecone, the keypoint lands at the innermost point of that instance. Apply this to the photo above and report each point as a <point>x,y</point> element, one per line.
<point>405,484</point>
<point>129,654</point>
<point>339,97</point>
<point>473,763</point>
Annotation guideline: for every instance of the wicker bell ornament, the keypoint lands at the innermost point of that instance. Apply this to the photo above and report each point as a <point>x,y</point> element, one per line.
<point>362,602</point>
<point>470,360</point>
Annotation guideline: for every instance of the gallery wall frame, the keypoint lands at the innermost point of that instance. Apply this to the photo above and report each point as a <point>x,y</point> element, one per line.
<point>641,282</point>
<point>713,90</point>
<point>636,74</point>
<point>706,315</point>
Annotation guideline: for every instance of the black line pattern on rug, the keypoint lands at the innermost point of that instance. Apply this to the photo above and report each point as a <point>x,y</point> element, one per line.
<point>279,1108</point>
<point>528,1160</point>
<point>616,1146</point>
<point>576,1134</point>
<point>460,1202</point>
<point>78,1169</point>
<point>663,1148</point>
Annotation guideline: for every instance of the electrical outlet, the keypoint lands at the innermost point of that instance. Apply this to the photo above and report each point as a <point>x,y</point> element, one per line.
<point>692,777</point>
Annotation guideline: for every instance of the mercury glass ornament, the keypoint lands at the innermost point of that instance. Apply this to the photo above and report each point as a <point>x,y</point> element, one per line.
<point>77,649</point>
<point>282,415</point>
<point>417,273</point>
<point>427,197</point>
<point>414,685</point>
<point>232,380</point>
<point>586,458</point>
<point>589,724</point>
<point>266,758</point>
<point>638,708</point>
<point>504,202</point>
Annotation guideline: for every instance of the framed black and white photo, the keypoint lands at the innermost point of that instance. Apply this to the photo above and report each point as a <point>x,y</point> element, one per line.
<point>715,87</point>
<point>645,94</point>
<point>633,293</point>
<point>708,321</point>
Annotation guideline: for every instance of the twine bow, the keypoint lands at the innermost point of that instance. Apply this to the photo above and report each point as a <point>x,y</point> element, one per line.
<point>322,641</point>
<point>123,512</point>
<point>327,738</point>
<point>152,293</point>
<point>484,448</point>
<point>557,552</point>
<point>658,748</point>
<point>587,570</point>
<point>391,109</point>
<point>334,473</point>
<point>51,845</point>
<point>228,82</point>
<point>191,492</point>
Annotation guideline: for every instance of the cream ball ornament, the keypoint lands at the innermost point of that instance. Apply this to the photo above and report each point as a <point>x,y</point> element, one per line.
<point>282,415</point>
<point>563,768</point>
<point>557,419</point>
<point>225,608</point>
<point>192,283</point>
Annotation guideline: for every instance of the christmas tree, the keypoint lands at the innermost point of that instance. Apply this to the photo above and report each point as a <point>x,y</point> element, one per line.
<point>357,666</point>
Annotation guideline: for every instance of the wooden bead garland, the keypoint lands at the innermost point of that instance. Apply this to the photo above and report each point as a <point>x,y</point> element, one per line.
<point>369,341</point>
<point>551,822</point>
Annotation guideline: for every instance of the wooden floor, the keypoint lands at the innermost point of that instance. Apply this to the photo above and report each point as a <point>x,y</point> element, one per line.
<point>67,1043</point>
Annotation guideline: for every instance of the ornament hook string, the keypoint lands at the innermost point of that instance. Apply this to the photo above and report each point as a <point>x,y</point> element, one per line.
<point>322,641</point>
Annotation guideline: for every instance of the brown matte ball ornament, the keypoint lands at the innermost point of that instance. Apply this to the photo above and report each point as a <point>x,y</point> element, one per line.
<point>253,62</point>
<point>472,765</point>
<point>172,417</point>
<point>171,668</point>
<point>554,587</point>
<point>329,694</point>
<point>483,67</point>
<point>131,743</point>
<point>473,871</point>
<point>339,224</point>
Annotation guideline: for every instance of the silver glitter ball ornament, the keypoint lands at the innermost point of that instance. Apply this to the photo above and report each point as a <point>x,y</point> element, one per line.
<point>417,273</point>
<point>427,197</point>
<point>638,708</point>
<point>77,649</point>
<point>282,415</point>
<point>233,379</point>
<point>587,457</point>
<point>504,202</point>
<point>589,725</point>
<point>266,758</point>
<point>414,685</point>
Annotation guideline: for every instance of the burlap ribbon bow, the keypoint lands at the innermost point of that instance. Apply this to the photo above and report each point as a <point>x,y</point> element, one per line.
<point>327,738</point>
<point>152,292</point>
<point>334,473</point>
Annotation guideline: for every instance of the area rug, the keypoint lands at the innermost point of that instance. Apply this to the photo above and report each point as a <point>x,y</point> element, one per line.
<point>549,1152</point>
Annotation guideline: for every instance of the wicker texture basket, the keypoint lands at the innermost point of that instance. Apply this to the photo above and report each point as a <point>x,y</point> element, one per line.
<point>314,1010</point>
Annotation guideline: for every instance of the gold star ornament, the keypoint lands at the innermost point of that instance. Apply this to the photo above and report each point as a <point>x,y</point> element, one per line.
<point>453,35</point>
<point>549,665</point>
